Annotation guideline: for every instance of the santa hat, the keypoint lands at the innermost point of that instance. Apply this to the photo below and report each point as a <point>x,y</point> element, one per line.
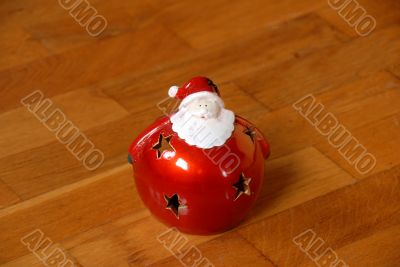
<point>197,87</point>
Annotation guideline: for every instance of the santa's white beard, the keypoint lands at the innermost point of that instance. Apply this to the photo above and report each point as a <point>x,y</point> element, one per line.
<point>203,133</point>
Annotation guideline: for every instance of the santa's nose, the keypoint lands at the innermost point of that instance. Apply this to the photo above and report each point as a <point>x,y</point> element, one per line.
<point>203,111</point>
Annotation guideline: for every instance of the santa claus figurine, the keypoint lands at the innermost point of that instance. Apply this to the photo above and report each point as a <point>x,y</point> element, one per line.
<point>201,168</point>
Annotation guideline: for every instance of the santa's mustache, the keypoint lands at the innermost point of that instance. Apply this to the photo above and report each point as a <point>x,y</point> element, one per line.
<point>195,117</point>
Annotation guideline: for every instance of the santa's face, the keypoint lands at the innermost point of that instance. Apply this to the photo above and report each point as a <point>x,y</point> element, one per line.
<point>204,108</point>
<point>204,122</point>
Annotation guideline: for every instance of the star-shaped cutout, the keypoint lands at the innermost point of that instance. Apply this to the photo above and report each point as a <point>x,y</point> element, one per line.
<point>250,132</point>
<point>242,186</point>
<point>162,145</point>
<point>173,204</point>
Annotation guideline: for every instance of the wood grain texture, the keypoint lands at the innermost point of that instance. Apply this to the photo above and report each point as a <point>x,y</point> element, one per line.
<point>264,56</point>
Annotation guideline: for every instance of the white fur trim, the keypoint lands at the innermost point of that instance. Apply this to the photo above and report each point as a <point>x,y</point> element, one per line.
<point>194,96</point>
<point>173,90</point>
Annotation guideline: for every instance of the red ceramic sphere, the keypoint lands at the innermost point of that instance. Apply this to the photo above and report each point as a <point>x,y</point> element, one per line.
<point>199,191</point>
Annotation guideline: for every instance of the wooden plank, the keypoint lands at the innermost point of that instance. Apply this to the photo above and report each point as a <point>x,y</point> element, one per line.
<point>381,12</point>
<point>39,259</point>
<point>45,167</point>
<point>65,72</point>
<point>82,107</point>
<point>18,46</point>
<point>228,250</point>
<point>26,12</point>
<point>349,103</point>
<point>371,137</point>
<point>355,105</point>
<point>279,125</point>
<point>293,179</point>
<point>365,250</point>
<point>249,107</point>
<point>69,210</point>
<point>340,218</point>
<point>7,196</point>
<point>363,101</point>
<point>133,244</point>
<point>323,70</point>
<point>28,260</point>
<point>228,21</point>
<point>285,41</point>
<point>64,32</point>
<point>395,69</point>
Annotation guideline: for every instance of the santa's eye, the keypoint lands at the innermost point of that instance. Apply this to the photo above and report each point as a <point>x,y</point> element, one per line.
<point>206,105</point>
